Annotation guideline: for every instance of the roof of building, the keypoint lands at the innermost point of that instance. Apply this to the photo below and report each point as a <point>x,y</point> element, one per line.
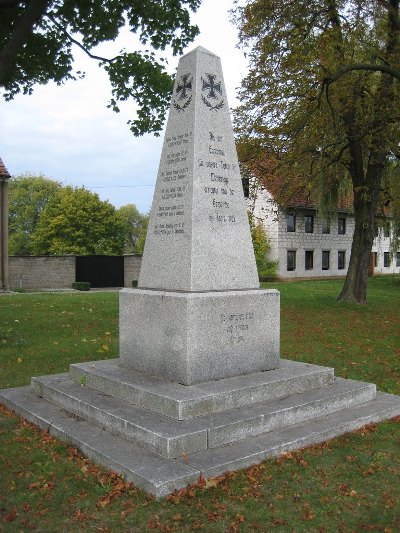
<point>304,200</point>
<point>3,171</point>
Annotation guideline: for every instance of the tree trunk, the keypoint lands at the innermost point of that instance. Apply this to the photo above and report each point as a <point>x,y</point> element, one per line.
<point>355,285</point>
<point>35,10</point>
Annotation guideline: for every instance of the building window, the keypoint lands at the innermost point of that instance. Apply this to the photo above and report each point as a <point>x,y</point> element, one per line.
<point>291,223</point>
<point>386,259</point>
<point>374,259</point>
<point>325,259</point>
<point>326,226</point>
<point>309,260</point>
<point>386,229</point>
<point>341,260</point>
<point>309,223</point>
<point>341,226</point>
<point>291,260</point>
<point>246,187</point>
<point>398,259</point>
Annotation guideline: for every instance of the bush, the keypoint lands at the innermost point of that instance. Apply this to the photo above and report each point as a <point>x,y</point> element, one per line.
<point>266,268</point>
<point>81,285</point>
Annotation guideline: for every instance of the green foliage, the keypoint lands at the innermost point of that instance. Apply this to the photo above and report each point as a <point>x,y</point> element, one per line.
<point>28,196</point>
<point>81,285</point>
<point>265,267</point>
<point>135,225</point>
<point>142,238</point>
<point>77,222</point>
<point>37,41</point>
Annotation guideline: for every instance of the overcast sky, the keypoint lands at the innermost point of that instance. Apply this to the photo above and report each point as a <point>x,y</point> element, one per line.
<point>67,133</point>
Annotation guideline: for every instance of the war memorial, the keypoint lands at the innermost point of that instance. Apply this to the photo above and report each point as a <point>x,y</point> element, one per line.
<point>199,387</point>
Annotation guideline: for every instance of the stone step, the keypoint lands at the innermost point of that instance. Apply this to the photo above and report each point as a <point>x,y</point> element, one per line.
<point>213,462</point>
<point>172,438</point>
<point>149,471</point>
<point>158,434</point>
<point>161,476</point>
<point>182,402</point>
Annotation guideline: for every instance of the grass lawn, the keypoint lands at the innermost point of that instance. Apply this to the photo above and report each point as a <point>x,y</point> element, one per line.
<point>348,484</point>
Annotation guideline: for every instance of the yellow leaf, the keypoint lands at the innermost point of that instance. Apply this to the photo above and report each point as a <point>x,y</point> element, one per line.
<point>19,360</point>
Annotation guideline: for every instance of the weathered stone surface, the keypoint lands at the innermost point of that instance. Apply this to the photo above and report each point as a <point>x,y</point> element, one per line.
<point>158,434</point>
<point>171,438</point>
<point>198,237</point>
<point>178,401</point>
<point>203,336</point>
<point>241,454</point>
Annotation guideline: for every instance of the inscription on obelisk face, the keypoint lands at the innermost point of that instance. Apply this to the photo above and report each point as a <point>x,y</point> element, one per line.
<point>198,237</point>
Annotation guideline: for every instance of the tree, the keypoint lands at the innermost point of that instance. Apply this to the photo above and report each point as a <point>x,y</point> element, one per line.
<point>37,39</point>
<point>321,106</point>
<point>135,225</point>
<point>77,222</point>
<point>28,196</point>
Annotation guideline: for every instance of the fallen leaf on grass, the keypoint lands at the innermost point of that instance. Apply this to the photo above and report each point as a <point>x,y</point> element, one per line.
<point>10,517</point>
<point>103,501</point>
<point>308,513</point>
<point>79,516</point>
<point>370,428</point>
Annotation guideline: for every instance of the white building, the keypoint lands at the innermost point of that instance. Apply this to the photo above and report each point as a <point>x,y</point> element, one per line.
<point>307,246</point>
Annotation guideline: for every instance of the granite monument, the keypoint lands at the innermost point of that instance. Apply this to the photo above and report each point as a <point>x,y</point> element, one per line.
<point>198,313</point>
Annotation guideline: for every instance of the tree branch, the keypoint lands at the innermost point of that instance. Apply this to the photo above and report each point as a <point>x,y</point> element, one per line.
<point>386,69</point>
<point>77,43</point>
<point>33,13</point>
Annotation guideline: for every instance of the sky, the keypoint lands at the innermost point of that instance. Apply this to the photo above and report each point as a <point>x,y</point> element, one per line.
<point>68,134</point>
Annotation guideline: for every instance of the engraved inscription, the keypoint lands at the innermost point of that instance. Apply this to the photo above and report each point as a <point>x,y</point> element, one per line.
<point>219,177</point>
<point>174,175</point>
<point>237,325</point>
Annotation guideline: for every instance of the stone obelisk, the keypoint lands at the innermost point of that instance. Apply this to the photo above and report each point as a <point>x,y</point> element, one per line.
<point>198,313</point>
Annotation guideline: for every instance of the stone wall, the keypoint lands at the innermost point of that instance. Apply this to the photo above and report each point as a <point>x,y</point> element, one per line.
<point>57,272</point>
<point>131,269</point>
<point>41,272</point>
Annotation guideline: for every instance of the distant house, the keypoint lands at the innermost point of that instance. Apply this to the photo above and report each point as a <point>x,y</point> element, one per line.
<point>306,245</point>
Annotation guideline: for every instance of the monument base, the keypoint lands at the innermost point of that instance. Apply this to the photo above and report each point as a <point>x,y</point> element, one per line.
<point>162,435</point>
<point>192,337</point>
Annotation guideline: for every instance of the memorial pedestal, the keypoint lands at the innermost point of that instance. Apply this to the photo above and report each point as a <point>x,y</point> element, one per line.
<point>199,336</point>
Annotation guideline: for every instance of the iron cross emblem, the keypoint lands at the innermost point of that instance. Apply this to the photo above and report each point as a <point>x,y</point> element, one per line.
<point>185,85</point>
<point>211,86</point>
